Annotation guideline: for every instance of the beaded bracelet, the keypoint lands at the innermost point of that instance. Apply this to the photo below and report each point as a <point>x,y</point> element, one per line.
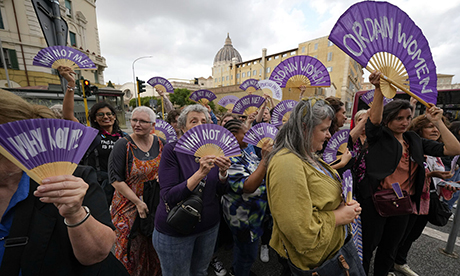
<point>88,213</point>
<point>71,88</point>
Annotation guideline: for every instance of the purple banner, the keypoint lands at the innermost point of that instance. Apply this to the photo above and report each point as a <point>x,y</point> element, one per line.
<point>48,56</point>
<point>338,139</point>
<point>250,83</point>
<point>202,94</point>
<point>161,82</point>
<point>369,27</point>
<point>230,99</point>
<point>247,101</point>
<point>301,66</point>
<point>280,110</point>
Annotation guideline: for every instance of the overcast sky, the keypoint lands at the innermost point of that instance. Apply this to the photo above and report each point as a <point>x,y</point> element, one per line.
<point>183,36</point>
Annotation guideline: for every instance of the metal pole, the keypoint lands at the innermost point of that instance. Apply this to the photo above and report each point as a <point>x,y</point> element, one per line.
<point>60,39</point>
<point>453,233</point>
<point>4,64</point>
<point>134,74</point>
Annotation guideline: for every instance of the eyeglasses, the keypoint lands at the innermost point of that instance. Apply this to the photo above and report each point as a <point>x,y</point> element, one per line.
<point>101,114</point>
<point>142,122</point>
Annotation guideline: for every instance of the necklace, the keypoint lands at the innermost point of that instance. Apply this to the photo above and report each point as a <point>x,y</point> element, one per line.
<point>147,154</point>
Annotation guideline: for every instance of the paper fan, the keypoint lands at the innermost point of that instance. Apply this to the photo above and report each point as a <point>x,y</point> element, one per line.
<point>337,144</point>
<point>161,84</point>
<point>380,36</point>
<point>248,104</point>
<point>55,56</point>
<point>271,88</point>
<point>202,96</point>
<point>260,133</point>
<point>45,147</point>
<point>347,186</point>
<point>282,112</point>
<point>368,98</point>
<point>250,85</point>
<point>228,101</point>
<point>165,131</point>
<point>208,139</point>
<point>301,70</point>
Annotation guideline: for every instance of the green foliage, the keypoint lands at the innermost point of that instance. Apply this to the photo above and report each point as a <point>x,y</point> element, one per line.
<point>145,101</point>
<point>180,97</point>
<point>222,110</point>
<point>110,84</point>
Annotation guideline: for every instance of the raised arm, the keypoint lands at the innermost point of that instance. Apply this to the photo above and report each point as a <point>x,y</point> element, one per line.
<point>451,144</point>
<point>168,104</point>
<point>68,102</point>
<point>376,113</point>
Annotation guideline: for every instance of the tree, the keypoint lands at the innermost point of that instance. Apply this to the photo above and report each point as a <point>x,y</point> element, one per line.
<point>110,84</point>
<point>145,101</point>
<point>180,97</point>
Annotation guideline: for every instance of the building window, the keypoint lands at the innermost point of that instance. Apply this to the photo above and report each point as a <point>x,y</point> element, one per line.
<point>315,56</point>
<point>269,58</point>
<point>276,57</point>
<point>11,59</point>
<point>231,77</point>
<point>255,62</point>
<point>243,75</point>
<point>254,73</point>
<point>226,78</point>
<point>96,76</point>
<point>249,73</point>
<point>316,46</point>
<point>284,55</point>
<point>238,75</point>
<point>249,64</point>
<point>329,69</point>
<point>329,56</point>
<point>222,79</point>
<point>330,43</point>
<point>1,21</point>
<point>352,73</point>
<point>73,39</point>
<point>260,72</point>
<point>215,80</point>
<point>293,53</point>
<point>268,69</point>
<point>303,49</point>
<point>68,8</point>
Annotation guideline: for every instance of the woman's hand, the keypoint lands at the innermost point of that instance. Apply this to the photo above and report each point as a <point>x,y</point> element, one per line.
<point>434,114</point>
<point>267,147</point>
<point>347,213</point>
<point>66,192</point>
<point>142,209</point>
<point>346,157</point>
<point>68,74</point>
<point>302,91</point>
<point>223,163</point>
<point>374,78</point>
<point>206,164</point>
<point>440,174</point>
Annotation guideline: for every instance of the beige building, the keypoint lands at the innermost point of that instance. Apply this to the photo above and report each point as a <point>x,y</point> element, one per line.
<point>229,70</point>
<point>22,39</point>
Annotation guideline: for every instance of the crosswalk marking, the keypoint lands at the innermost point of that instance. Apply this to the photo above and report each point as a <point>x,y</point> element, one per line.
<point>438,235</point>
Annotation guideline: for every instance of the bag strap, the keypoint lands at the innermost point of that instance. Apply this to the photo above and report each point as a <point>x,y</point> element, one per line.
<point>18,236</point>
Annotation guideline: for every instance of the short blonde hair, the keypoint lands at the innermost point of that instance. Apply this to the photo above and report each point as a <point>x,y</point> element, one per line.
<point>14,108</point>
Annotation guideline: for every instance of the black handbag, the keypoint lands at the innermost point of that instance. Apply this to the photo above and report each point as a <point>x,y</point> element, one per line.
<point>187,214</point>
<point>439,212</point>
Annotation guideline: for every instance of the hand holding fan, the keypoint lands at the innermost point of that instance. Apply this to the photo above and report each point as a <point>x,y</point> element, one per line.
<point>45,147</point>
<point>380,36</point>
<point>55,56</point>
<point>368,98</point>
<point>161,84</point>
<point>228,101</point>
<point>337,144</point>
<point>165,131</point>
<point>347,186</point>
<point>208,139</point>
<point>202,96</point>
<point>250,85</point>
<point>248,104</point>
<point>260,133</point>
<point>282,112</point>
<point>271,88</point>
<point>301,70</point>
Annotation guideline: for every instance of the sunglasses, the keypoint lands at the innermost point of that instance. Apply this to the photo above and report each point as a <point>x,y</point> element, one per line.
<point>101,114</point>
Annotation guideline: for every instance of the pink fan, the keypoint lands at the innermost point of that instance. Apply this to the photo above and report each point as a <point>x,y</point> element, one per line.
<point>282,112</point>
<point>380,36</point>
<point>347,186</point>
<point>337,144</point>
<point>165,131</point>
<point>45,147</point>
<point>248,104</point>
<point>161,84</point>
<point>228,101</point>
<point>271,88</point>
<point>250,85</point>
<point>260,133</point>
<point>301,70</point>
<point>202,96</point>
<point>55,56</point>
<point>208,139</point>
<point>368,98</point>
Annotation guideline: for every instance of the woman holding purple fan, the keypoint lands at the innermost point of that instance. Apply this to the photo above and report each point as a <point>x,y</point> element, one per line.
<point>179,175</point>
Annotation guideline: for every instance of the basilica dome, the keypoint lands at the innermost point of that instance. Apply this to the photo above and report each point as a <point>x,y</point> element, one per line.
<point>227,53</point>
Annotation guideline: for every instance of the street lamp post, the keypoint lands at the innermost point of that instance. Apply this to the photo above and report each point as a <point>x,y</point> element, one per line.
<point>134,74</point>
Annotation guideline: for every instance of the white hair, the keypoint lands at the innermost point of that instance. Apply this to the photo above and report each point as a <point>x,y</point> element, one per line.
<point>148,110</point>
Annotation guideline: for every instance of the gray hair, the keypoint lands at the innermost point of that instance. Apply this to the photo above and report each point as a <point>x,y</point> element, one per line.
<point>182,120</point>
<point>359,114</point>
<point>296,135</point>
<point>148,110</point>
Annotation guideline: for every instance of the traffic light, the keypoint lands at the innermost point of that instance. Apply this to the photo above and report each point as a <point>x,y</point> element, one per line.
<point>196,80</point>
<point>93,89</point>
<point>87,88</point>
<point>140,85</point>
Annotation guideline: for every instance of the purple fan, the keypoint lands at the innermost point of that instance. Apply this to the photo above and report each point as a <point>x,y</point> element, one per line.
<point>202,96</point>
<point>301,70</point>
<point>271,88</point>
<point>161,84</point>
<point>401,50</point>
<point>229,100</point>
<point>55,56</point>
<point>208,139</point>
<point>45,147</point>
<point>347,186</point>
<point>248,104</point>
<point>250,85</point>
<point>337,143</point>
<point>165,131</point>
<point>368,98</point>
<point>260,133</point>
<point>282,111</point>
<point>453,164</point>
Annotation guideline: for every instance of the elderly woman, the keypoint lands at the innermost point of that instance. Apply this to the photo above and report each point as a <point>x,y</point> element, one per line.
<point>394,155</point>
<point>304,194</point>
<point>133,161</point>
<point>179,175</point>
<point>64,237</point>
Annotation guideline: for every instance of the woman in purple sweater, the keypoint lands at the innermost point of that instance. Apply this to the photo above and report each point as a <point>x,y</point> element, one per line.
<point>179,174</point>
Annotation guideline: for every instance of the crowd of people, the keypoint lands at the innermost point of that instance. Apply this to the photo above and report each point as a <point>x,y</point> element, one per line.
<point>281,195</point>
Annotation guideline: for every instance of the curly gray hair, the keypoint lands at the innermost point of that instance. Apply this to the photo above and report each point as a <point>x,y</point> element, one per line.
<point>182,120</point>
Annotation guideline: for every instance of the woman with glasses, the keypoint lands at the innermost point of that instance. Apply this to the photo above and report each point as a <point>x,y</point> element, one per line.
<point>135,160</point>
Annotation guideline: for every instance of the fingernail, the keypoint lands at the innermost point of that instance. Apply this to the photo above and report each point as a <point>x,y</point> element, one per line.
<point>45,181</point>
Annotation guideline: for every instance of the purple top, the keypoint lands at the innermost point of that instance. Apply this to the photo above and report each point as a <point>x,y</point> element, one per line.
<point>175,169</point>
